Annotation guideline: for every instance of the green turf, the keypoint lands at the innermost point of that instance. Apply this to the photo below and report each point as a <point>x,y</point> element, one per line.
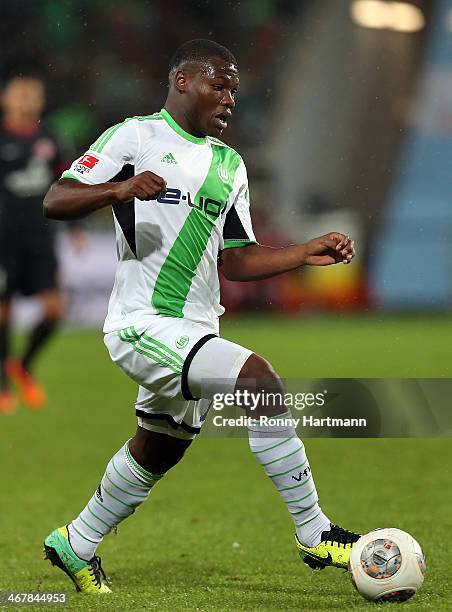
<point>350,346</point>
<point>215,535</point>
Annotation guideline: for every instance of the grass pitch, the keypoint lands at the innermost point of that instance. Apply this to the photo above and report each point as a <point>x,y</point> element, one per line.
<point>215,534</point>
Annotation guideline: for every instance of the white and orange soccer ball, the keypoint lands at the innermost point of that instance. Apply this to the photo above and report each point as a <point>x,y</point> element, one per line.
<point>387,565</point>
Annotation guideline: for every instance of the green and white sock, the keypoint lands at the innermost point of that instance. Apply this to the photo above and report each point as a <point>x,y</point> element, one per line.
<point>282,455</point>
<point>124,486</point>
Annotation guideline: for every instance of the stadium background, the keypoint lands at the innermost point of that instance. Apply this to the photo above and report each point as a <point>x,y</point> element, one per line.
<point>344,121</point>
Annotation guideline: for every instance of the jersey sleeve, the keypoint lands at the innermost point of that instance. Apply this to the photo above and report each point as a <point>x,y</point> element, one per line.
<point>113,149</point>
<point>238,229</point>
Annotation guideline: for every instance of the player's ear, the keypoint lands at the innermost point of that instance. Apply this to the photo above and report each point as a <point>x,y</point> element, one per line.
<point>180,81</point>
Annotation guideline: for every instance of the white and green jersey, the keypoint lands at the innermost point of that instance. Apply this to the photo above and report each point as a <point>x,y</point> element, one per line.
<point>168,247</point>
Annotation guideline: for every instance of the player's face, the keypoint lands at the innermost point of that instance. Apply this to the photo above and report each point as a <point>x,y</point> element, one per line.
<point>212,92</point>
<point>24,96</point>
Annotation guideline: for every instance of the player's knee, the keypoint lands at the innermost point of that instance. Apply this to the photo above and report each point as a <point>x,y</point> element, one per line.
<point>157,453</point>
<point>258,369</point>
<point>53,316</point>
<point>260,379</point>
<point>53,308</point>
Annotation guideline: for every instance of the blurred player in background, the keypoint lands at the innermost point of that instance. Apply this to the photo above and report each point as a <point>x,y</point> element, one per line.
<point>187,204</point>
<point>29,161</point>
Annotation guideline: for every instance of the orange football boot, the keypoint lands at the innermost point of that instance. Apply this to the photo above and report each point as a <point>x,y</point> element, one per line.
<point>31,392</point>
<point>8,402</point>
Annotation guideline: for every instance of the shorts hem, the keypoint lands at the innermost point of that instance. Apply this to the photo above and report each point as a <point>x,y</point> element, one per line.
<point>165,424</point>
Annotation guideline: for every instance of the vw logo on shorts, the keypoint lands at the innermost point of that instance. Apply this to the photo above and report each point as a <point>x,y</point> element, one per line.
<point>182,342</point>
<point>223,173</point>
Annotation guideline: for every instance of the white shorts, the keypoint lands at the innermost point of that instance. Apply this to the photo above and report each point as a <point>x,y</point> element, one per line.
<point>179,365</point>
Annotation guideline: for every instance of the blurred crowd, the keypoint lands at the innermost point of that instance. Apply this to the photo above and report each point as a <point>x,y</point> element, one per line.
<point>104,60</point>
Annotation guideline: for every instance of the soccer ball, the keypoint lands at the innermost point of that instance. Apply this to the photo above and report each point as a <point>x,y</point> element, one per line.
<point>387,565</point>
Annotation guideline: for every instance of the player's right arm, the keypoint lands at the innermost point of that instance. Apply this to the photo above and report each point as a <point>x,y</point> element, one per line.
<point>70,199</point>
<point>85,187</point>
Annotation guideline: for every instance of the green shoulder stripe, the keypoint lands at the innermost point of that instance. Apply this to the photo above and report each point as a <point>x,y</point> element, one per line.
<point>153,117</point>
<point>105,137</point>
<point>217,141</point>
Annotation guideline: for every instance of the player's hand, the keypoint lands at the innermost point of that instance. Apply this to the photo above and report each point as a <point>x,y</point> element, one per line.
<point>144,186</point>
<point>330,249</point>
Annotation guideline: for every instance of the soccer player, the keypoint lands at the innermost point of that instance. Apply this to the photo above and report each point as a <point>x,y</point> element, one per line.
<point>28,157</point>
<point>186,205</point>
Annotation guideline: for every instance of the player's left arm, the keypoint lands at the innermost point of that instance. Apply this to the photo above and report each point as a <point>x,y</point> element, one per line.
<point>242,259</point>
<point>256,262</point>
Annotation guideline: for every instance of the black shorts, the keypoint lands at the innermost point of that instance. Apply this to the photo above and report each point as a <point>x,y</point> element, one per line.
<point>27,268</point>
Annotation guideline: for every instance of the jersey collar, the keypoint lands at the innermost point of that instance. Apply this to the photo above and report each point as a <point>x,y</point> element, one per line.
<point>177,128</point>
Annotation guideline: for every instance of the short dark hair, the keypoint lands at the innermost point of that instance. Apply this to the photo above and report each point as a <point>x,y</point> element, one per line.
<point>199,50</point>
<point>25,70</point>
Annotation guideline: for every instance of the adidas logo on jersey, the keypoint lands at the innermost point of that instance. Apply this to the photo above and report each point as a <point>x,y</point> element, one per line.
<point>169,159</point>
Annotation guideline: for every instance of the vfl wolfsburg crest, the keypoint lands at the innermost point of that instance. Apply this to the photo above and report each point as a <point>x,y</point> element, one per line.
<point>223,173</point>
<point>182,342</point>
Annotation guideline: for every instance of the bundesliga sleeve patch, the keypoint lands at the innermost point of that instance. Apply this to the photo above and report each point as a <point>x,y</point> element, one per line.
<point>86,163</point>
